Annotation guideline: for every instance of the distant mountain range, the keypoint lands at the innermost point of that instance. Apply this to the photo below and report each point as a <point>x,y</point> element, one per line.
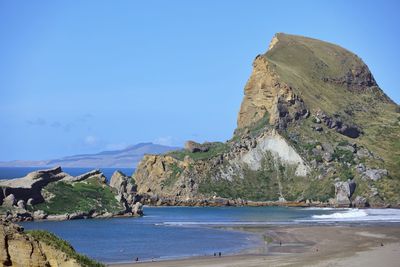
<point>125,158</point>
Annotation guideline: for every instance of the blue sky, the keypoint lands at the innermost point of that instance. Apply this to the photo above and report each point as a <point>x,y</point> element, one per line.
<point>84,76</point>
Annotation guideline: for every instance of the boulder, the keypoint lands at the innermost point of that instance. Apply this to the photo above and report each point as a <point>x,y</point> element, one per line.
<point>21,204</point>
<point>60,217</point>
<point>343,192</point>
<point>39,215</point>
<point>363,153</point>
<point>360,168</point>
<point>137,209</point>
<point>360,202</point>
<point>9,201</point>
<point>30,201</point>
<point>375,174</point>
<point>194,147</point>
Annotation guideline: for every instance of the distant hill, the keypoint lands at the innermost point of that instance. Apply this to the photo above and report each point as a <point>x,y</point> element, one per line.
<point>125,158</point>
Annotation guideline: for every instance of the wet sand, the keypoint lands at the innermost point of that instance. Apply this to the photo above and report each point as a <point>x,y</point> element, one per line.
<point>307,246</point>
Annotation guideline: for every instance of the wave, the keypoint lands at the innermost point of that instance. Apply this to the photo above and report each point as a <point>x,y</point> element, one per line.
<point>342,215</point>
<point>357,215</point>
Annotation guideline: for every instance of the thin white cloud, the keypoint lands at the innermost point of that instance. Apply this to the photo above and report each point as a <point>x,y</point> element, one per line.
<point>91,140</point>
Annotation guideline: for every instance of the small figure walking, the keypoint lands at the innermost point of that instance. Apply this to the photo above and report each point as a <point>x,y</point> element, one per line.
<point>215,254</point>
<point>219,254</point>
<point>137,259</point>
<point>280,243</point>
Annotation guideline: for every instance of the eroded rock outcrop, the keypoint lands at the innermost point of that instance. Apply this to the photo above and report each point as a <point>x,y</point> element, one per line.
<point>126,193</point>
<point>20,249</point>
<point>67,197</point>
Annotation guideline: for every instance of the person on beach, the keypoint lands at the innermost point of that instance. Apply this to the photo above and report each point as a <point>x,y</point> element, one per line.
<point>219,254</point>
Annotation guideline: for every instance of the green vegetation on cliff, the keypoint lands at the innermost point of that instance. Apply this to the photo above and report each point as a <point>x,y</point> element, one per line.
<point>63,246</point>
<point>215,148</point>
<point>83,196</point>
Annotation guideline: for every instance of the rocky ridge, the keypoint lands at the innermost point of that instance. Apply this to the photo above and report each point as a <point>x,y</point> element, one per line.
<point>313,127</point>
<point>54,195</point>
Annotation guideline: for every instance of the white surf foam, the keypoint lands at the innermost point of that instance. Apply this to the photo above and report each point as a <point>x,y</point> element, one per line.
<point>342,215</point>
<point>364,215</point>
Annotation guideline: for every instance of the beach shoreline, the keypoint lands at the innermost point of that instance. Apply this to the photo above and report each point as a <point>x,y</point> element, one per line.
<point>305,245</point>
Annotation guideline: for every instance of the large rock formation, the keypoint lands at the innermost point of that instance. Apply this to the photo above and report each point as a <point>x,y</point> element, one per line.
<point>311,114</point>
<point>126,193</point>
<point>55,195</point>
<point>30,186</point>
<point>20,249</point>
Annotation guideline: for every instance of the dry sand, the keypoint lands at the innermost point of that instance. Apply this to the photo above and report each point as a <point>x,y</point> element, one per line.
<point>307,246</point>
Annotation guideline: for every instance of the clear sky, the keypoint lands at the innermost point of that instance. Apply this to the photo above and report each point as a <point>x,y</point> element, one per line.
<point>85,76</point>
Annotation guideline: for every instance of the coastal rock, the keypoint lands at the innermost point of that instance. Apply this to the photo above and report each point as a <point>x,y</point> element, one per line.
<point>59,217</point>
<point>30,186</point>
<point>343,192</point>
<point>39,215</point>
<point>194,147</point>
<point>94,173</point>
<point>360,202</point>
<point>126,193</point>
<point>20,249</point>
<point>21,204</point>
<point>9,201</point>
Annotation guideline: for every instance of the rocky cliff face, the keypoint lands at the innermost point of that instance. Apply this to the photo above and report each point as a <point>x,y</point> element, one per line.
<point>20,249</point>
<point>312,122</point>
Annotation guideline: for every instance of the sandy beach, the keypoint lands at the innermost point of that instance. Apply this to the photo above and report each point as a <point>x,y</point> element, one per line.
<point>306,246</point>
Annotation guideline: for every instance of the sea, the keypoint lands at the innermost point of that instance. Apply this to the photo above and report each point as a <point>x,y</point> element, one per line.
<point>180,232</point>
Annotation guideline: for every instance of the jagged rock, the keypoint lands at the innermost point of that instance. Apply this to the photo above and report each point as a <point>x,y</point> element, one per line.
<point>137,208</point>
<point>78,215</point>
<point>39,215</point>
<point>343,192</point>
<point>318,128</point>
<point>90,174</point>
<point>126,193</point>
<point>9,200</point>
<point>60,217</point>
<point>375,174</point>
<point>30,186</point>
<point>363,153</point>
<point>360,168</point>
<point>360,202</point>
<point>327,157</point>
<point>30,201</point>
<point>21,204</point>
<point>194,147</point>
<point>328,148</point>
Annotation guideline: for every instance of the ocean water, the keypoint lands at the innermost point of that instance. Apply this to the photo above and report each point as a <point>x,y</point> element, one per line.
<point>16,172</point>
<point>178,232</point>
